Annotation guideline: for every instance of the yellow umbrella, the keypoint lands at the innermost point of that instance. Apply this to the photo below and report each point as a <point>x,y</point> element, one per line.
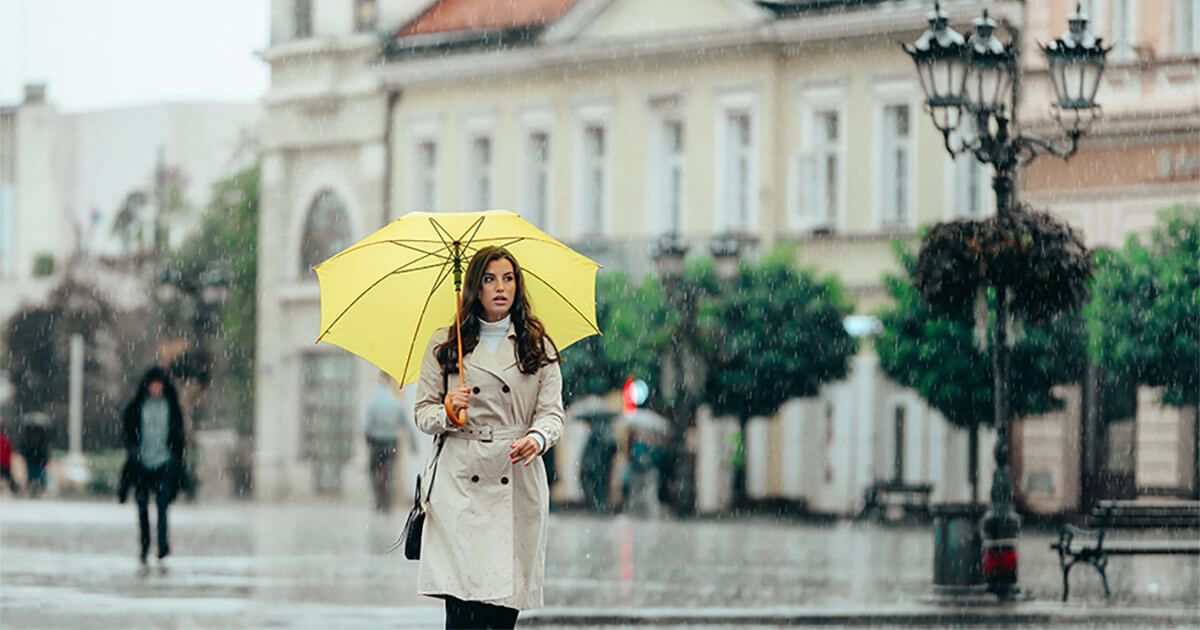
<point>383,297</point>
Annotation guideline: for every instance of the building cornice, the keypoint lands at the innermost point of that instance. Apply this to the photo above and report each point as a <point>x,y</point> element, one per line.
<point>786,35</point>
<point>796,33</point>
<point>1147,127</point>
<point>1075,195</point>
<point>341,45</point>
<point>490,63</point>
<point>323,96</point>
<point>349,142</point>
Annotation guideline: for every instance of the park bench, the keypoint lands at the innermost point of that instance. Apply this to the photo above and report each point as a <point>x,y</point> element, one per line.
<point>1094,546</point>
<point>893,500</point>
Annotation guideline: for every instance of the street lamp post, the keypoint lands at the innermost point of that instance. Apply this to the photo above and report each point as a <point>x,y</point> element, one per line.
<point>204,294</point>
<point>685,370</point>
<point>972,88</point>
<point>726,250</point>
<point>669,264</point>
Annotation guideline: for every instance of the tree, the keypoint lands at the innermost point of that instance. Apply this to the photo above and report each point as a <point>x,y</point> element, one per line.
<point>775,334</point>
<point>227,238</point>
<point>1144,318</point>
<point>941,357</point>
<point>37,359</point>
<point>636,326</point>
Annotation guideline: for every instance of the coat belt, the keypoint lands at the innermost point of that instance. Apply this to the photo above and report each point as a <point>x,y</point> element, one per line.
<point>487,433</point>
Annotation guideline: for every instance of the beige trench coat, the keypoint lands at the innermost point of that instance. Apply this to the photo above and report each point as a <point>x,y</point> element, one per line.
<point>485,525</point>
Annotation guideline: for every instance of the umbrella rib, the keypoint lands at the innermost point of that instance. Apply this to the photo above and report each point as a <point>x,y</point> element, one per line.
<point>398,270</point>
<point>564,298</point>
<point>472,229</point>
<point>435,254</point>
<point>512,240</point>
<point>547,240</point>
<point>408,356</point>
<point>398,242</point>
<point>441,232</point>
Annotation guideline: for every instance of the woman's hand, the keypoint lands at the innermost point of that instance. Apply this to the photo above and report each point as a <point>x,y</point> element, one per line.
<point>457,401</point>
<point>524,451</point>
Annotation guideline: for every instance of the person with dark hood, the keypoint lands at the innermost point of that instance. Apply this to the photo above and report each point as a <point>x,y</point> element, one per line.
<point>152,427</point>
<point>35,448</point>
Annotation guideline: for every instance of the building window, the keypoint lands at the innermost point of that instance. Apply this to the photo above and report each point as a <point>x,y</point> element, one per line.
<point>1122,28</point>
<point>668,176</point>
<point>479,172</point>
<point>1187,27</point>
<point>366,15</point>
<point>424,176</point>
<point>326,231</point>
<point>327,391</point>
<point>302,19</point>
<point>737,170</point>
<point>536,200</point>
<point>594,175</point>
<point>819,183</point>
<point>897,166</point>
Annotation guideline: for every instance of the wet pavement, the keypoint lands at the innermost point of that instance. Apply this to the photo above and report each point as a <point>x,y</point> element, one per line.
<point>73,564</point>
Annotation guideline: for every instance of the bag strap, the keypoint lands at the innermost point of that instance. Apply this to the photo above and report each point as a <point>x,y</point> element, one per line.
<point>440,441</point>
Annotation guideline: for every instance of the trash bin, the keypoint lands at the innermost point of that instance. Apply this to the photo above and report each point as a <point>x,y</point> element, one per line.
<point>957,549</point>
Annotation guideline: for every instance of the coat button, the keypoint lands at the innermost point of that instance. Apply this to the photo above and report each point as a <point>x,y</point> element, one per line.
<point>475,478</point>
<point>476,390</point>
<point>504,480</point>
<point>505,389</point>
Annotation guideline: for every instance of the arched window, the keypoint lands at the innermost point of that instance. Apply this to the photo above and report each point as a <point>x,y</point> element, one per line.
<point>326,231</point>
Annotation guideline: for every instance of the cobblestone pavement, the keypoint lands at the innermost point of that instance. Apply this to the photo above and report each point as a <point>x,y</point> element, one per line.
<point>72,564</point>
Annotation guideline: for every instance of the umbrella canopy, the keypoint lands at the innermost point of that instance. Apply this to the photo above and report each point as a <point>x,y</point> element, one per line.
<point>645,420</point>
<point>592,409</point>
<point>383,297</point>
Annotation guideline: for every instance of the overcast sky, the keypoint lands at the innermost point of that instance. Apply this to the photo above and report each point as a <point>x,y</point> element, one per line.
<point>99,54</point>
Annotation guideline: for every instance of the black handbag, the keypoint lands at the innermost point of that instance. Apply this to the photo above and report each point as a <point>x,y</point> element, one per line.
<point>414,526</point>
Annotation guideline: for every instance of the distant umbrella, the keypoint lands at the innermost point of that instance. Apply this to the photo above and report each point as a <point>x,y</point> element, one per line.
<point>592,409</point>
<point>646,420</point>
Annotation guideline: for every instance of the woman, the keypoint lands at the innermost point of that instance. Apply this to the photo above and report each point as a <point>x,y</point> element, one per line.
<point>484,545</point>
<point>152,426</point>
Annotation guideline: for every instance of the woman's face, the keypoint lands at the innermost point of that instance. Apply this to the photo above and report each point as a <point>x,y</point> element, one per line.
<point>498,290</point>
<point>154,388</point>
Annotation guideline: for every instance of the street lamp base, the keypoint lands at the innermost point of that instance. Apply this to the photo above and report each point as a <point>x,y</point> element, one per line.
<point>76,469</point>
<point>1001,528</point>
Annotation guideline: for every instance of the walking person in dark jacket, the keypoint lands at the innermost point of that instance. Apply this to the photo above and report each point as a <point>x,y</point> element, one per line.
<point>152,426</point>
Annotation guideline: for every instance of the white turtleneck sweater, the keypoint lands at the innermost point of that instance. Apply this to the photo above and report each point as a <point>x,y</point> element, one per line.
<point>492,333</point>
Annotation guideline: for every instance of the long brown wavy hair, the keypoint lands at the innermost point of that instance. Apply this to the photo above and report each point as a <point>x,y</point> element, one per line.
<point>531,334</point>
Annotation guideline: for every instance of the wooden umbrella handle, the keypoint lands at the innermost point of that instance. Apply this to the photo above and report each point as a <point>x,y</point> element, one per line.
<point>458,419</point>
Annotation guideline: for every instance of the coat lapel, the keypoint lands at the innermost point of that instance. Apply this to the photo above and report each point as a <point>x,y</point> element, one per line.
<point>502,363</point>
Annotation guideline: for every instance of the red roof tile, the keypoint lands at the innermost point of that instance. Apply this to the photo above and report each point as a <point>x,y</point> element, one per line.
<point>447,16</point>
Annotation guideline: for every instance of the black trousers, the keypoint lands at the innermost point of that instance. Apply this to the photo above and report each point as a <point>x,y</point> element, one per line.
<point>463,614</point>
<point>157,481</point>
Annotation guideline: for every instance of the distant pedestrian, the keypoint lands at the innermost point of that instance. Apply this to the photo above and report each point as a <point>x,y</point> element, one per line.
<point>152,426</point>
<point>34,446</point>
<point>6,476</point>
<point>484,545</point>
<point>386,418</point>
<point>595,465</point>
